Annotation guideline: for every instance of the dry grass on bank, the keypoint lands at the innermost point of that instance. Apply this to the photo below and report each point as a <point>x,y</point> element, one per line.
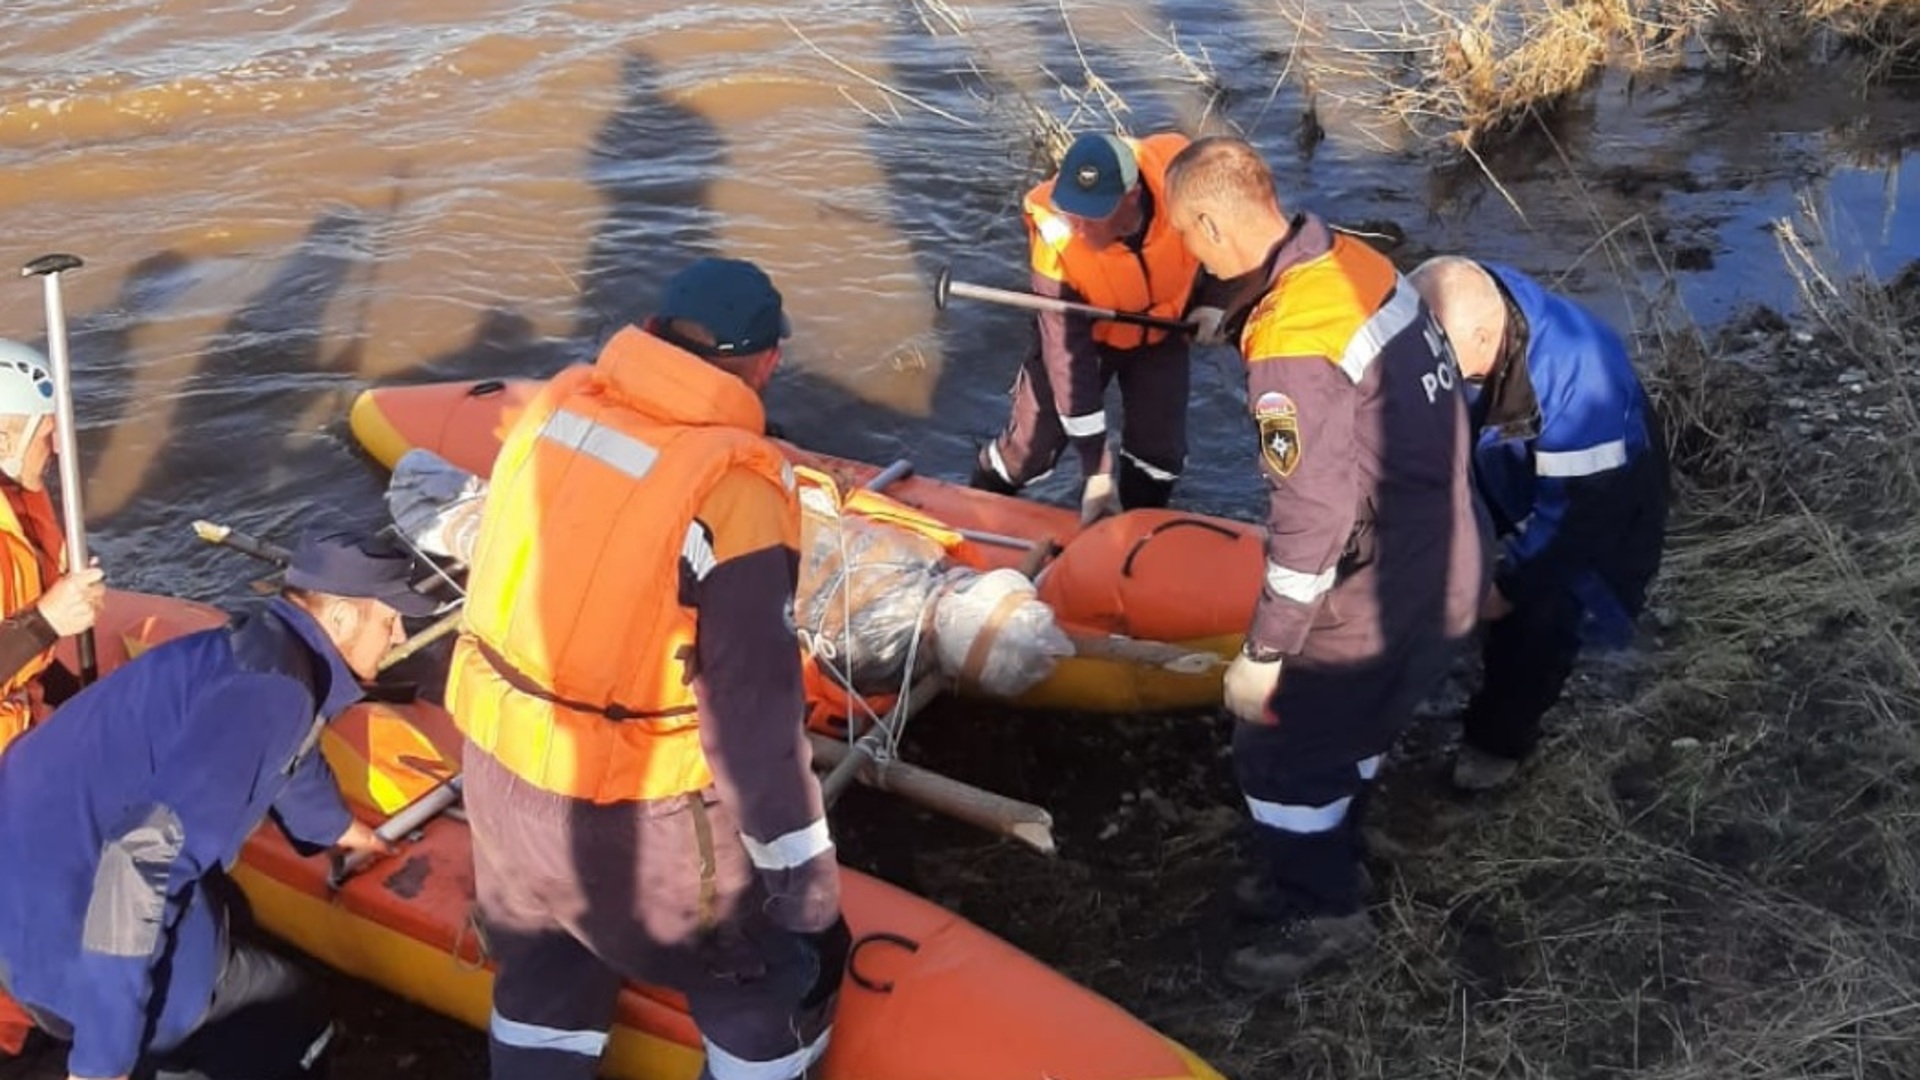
<point>1714,870</point>
<point>1460,76</point>
<point>1719,876</point>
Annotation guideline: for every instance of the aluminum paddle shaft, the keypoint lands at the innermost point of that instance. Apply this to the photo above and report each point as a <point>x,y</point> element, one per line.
<point>48,269</point>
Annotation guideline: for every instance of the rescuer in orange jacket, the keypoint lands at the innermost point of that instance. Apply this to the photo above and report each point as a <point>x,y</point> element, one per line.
<point>628,678</point>
<point>1098,234</point>
<point>1376,547</point>
<point>40,602</point>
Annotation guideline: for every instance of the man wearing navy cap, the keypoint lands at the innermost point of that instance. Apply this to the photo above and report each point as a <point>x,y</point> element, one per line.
<point>628,679</point>
<point>1099,234</point>
<point>119,817</point>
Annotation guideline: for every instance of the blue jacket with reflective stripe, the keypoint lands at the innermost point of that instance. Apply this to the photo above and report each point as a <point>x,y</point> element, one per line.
<point>113,813</point>
<point>1571,467</point>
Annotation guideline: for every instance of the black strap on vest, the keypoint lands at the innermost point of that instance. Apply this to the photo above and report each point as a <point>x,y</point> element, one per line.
<point>615,712</point>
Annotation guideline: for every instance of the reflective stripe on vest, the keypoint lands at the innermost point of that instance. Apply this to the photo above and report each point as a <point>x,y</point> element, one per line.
<point>1346,305</point>
<point>1401,311</point>
<point>581,435</point>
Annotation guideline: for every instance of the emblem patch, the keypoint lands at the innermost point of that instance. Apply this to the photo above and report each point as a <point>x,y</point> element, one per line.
<point>1088,176</point>
<point>1279,432</point>
<point>1273,403</point>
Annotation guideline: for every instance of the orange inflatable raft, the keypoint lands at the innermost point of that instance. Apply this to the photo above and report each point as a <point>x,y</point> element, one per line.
<point>1155,601</point>
<point>929,996</point>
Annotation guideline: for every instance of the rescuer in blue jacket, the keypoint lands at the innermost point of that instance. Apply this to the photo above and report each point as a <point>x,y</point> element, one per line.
<point>119,816</point>
<point>1573,470</point>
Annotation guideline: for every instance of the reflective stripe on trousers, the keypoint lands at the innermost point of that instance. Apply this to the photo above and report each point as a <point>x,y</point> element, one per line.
<point>1296,818</point>
<point>722,1065</point>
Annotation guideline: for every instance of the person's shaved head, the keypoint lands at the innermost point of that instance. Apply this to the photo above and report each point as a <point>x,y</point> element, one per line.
<point>1220,199</point>
<point>1224,173</point>
<point>1467,303</point>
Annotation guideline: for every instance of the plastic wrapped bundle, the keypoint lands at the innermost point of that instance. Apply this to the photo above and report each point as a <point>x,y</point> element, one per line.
<point>866,594</point>
<point>992,632</point>
<point>876,597</point>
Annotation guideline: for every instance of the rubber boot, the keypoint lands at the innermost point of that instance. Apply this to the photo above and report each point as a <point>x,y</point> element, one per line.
<point>985,479</point>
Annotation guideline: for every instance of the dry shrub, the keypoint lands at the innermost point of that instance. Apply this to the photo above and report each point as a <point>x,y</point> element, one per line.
<point>1461,80</point>
<point>1488,71</point>
<point>1771,37</point>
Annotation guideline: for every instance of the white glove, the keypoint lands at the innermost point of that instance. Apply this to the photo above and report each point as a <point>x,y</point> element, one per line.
<point>1207,328</point>
<point>1248,686</point>
<point>1098,499</point>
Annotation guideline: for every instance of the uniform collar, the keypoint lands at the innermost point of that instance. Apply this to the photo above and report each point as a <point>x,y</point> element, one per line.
<point>343,686</point>
<point>1508,400</point>
<point>1307,238</point>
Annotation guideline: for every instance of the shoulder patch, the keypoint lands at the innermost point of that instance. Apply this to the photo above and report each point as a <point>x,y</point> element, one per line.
<point>1273,403</point>
<point>1280,438</point>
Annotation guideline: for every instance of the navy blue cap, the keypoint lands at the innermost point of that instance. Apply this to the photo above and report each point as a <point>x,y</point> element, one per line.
<point>358,565</point>
<point>733,300</point>
<point>1096,174</point>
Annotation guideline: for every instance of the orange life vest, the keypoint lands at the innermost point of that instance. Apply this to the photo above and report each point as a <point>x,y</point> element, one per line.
<point>27,572</point>
<point>574,668</point>
<point>1154,281</point>
<point>15,1024</point>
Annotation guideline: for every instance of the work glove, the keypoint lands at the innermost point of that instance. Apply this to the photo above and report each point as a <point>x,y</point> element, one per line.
<point>1209,328</point>
<point>830,948</point>
<point>72,603</point>
<point>1249,685</point>
<point>1098,499</point>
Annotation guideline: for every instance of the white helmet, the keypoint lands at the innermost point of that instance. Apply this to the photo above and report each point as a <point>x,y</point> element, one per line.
<point>26,383</point>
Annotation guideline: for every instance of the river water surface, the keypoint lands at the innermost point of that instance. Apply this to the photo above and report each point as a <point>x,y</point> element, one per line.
<point>283,202</point>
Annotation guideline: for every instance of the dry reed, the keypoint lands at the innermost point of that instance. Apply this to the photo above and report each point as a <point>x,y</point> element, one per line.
<point>1462,77</point>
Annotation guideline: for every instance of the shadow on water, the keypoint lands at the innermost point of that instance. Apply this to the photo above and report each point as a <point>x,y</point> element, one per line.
<point>227,439</point>
<point>258,375</point>
<point>102,341</point>
<point>653,161</point>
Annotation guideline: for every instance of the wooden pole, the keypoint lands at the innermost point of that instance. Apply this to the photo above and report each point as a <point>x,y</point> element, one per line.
<point>1160,654</point>
<point>1025,822</point>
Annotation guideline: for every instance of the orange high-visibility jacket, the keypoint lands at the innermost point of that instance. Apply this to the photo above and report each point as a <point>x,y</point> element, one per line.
<point>1156,281</point>
<point>23,578</point>
<point>574,668</point>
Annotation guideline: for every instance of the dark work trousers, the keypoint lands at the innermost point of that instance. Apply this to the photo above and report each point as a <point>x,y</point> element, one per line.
<point>1528,655</point>
<point>1527,658</point>
<point>1307,777</point>
<point>266,1022</point>
<point>576,898</point>
<point>1154,384</point>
